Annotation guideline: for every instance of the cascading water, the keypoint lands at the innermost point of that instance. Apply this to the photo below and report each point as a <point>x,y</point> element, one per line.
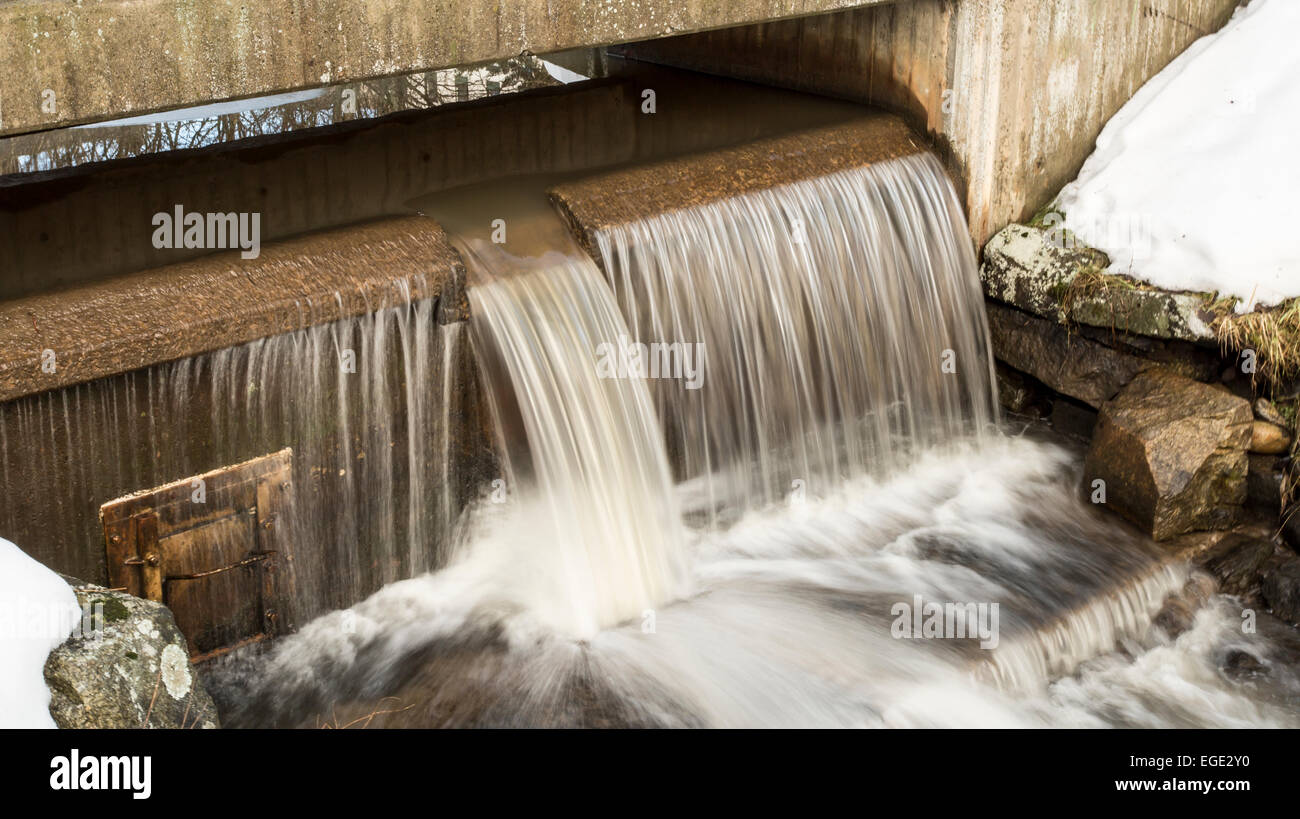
<point>357,399</point>
<point>842,323</point>
<point>604,520</point>
<point>830,310</point>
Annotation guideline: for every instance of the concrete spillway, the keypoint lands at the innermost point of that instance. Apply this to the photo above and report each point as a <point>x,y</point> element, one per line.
<point>53,340</point>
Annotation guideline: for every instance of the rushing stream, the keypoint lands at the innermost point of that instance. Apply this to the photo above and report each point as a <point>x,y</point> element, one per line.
<point>767,541</point>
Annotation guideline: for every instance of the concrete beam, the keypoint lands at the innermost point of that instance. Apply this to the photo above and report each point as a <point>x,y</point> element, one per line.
<point>600,202</point>
<point>68,337</point>
<point>73,61</point>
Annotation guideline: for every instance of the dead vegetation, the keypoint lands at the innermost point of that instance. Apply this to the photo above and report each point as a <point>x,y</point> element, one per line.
<point>364,720</point>
<point>1273,333</point>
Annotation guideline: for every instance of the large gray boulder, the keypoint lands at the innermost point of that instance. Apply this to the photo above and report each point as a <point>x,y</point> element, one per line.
<point>126,666</point>
<point>1172,453</point>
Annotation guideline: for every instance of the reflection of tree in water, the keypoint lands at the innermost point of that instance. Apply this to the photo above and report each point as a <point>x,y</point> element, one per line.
<point>69,147</point>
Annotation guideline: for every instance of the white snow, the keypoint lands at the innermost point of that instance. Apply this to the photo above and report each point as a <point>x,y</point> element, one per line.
<point>1193,182</point>
<point>38,610</point>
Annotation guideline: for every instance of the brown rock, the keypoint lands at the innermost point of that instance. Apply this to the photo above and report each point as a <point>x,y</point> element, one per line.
<point>1269,439</point>
<point>1172,453</point>
<point>1068,363</point>
<point>1237,561</point>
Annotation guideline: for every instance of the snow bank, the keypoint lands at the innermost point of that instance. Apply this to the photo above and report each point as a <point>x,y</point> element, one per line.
<point>38,610</point>
<point>1193,182</point>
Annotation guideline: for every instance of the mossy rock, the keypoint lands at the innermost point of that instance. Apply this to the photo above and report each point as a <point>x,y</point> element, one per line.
<point>1047,273</point>
<point>125,666</point>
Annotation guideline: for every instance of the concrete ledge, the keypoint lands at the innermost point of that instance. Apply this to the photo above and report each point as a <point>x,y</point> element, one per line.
<point>599,202</point>
<point>222,300</point>
<point>68,62</point>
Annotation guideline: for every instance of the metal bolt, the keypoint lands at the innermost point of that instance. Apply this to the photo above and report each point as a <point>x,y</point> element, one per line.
<point>152,559</point>
<point>116,539</point>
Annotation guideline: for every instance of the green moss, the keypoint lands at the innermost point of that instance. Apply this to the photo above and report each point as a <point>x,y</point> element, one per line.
<point>1288,411</point>
<point>114,610</point>
<point>1040,218</point>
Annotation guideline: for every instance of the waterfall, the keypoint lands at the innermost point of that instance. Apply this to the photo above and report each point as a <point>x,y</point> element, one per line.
<point>846,357</point>
<point>595,462</point>
<point>841,319</point>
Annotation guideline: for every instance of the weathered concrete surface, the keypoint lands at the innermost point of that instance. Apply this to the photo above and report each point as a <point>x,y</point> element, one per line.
<point>593,204</point>
<point>128,666</point>
<point>1040,271</point>
<point>1172,454</point>
<point>69,62</point>
<point>1017,89</point>
<point>67,337</point>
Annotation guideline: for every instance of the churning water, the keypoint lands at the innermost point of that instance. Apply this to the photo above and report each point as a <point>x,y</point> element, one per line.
<point>757,551</point>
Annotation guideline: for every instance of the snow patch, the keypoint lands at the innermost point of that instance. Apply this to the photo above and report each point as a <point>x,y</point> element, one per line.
<point>38,610</point>
<point>1202,161</point>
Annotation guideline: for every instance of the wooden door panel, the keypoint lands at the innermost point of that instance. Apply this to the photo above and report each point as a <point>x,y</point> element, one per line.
<point>214,548</point>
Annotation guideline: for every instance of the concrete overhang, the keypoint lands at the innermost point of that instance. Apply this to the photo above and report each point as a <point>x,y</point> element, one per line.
<point>68,62</point>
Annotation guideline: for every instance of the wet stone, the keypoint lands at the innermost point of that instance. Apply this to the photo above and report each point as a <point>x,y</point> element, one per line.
<point>1269,439</point>
<point>1237,560</point>
<point>1281,589</point>
<point>1172,454</point>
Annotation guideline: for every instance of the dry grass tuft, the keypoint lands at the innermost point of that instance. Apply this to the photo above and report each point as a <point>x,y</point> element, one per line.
<point>1273,333</point>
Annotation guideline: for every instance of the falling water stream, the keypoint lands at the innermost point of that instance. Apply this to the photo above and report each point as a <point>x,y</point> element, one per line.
<point>737,554</point>
<point>365,402</point>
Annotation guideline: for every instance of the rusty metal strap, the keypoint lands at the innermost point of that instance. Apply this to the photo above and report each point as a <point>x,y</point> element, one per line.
<point>256,557</point>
